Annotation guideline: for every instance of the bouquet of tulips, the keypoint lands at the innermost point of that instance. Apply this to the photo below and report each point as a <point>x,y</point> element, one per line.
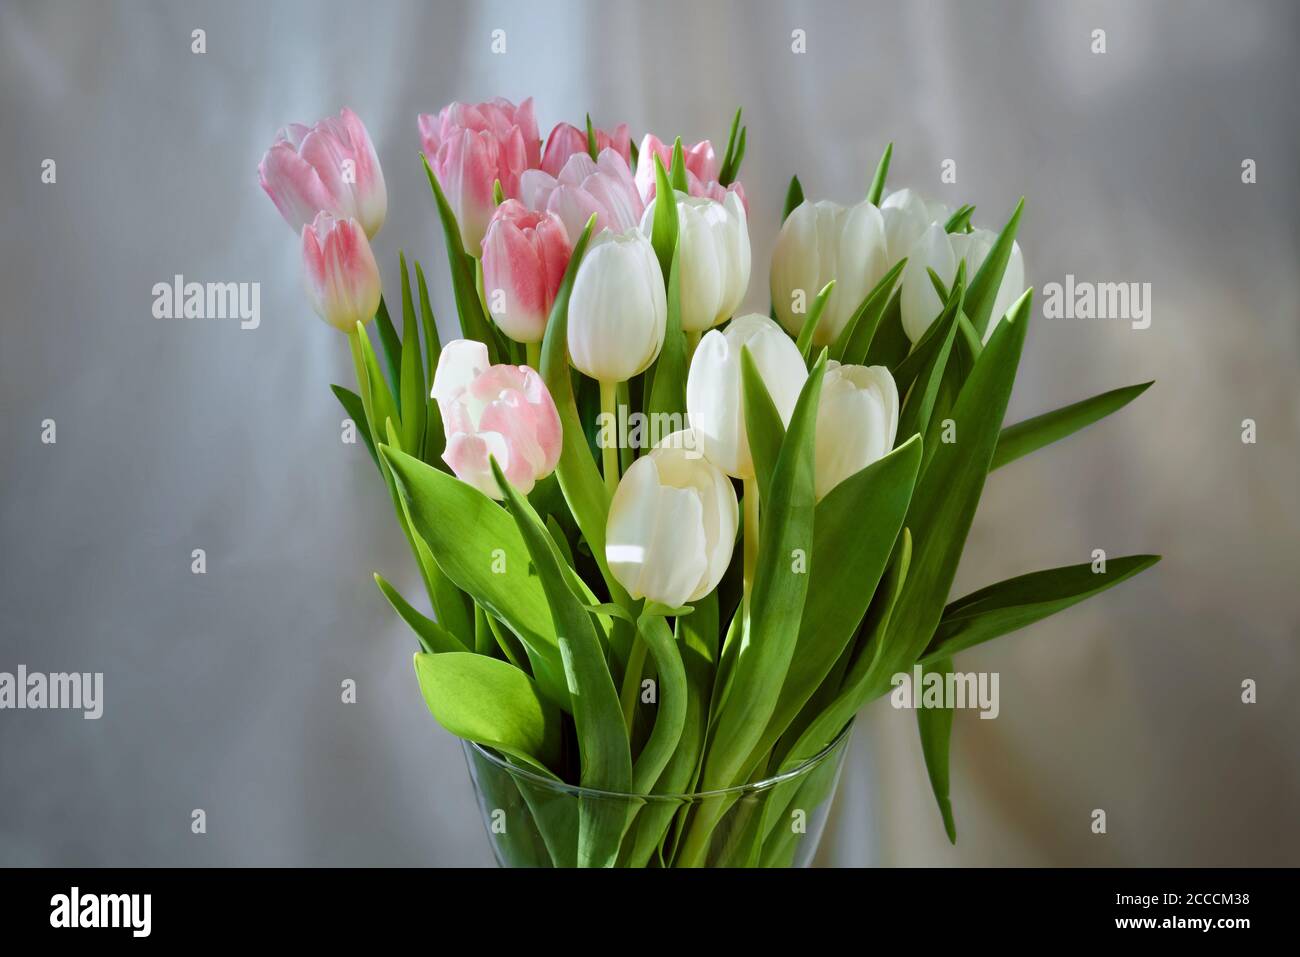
<point>669,551</point>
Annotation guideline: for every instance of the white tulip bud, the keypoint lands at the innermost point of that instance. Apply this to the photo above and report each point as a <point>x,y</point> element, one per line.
<point>714,398</point>
<point>672,524</point>
<point>857,421</point>
<point>618,311</point>
<point>713,241</point>
<point>823,241</point>
<point>941,251</point>
<point>907,214</point>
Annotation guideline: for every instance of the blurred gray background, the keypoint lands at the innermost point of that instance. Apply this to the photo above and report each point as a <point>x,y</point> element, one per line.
<point>223,690</point>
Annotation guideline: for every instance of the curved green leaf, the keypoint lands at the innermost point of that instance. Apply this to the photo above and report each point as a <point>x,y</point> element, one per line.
<point>477,546</point>
<point>1002,608</point>
<point>434,638</point>
<point>1024,437</point>
<point>491,702</point>
<point>605,754</point>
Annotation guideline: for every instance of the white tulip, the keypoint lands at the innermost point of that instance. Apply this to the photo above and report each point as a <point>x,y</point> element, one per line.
<point>672,524</point>
<point>857,421</point>
<point>618,311</point>
<point>714,247</point>
<point>941,251</point>
<point>907,214</point>
<point>714,400</point>
<point>823,241</point>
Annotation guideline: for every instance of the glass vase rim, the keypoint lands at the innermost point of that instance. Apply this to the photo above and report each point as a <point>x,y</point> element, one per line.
<point>578,790</point>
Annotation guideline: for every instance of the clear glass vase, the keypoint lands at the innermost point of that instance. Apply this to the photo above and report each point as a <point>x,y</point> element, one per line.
<point>536,821</point>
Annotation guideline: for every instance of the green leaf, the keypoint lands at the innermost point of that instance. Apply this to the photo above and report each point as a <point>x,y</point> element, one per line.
<point>1032,434</point>
<point>924,385</point>
<point>473,323</point>
<point>1012,604</point>
<point>793,197</point>
<point>381,405</point>
<point>667,392</point>
<point>580,480</point>
<point>492,703</point>
<point>663,230</point>
<point>856,689</point>
<point>854,341</point>
<point>605,755</point>
<point>943,505</point>
<point>478,547</point>
<point>763,425</point>
<point>356,411</point>
<point>935,726</point>
<point>677,172</point>
<point>959,222</point>
<point>877,189</point>
<point>592,149</point>
<point>805,340</point>
<point>849,557</point>
<point>890,345</point>
<point>984,287</point>
<point>498,194</point>
<point>389,342</point>
<point>730,161</point>
<point>670,717</point>
<point>937,337</point>
<point>434,638</point>
<point>777,601</point>
<point>429,326</point>
<point>414,396</point>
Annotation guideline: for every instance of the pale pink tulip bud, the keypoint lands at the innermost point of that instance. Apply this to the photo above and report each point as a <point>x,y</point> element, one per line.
<point>339,270</point>
<point>470,148</point>
<point>503,412</point>
<point>567,139</point>
<point>329,167</point>
<point>701,163</point>
<point>525,254</point>
<point>604,187</point>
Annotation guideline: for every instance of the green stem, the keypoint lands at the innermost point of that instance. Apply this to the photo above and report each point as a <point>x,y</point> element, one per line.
<point>632,679</point>
<point>533,352</point>
<point>692,341</point>
<point>609,451</point>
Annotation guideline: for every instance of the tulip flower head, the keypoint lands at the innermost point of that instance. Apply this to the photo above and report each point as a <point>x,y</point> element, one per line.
<point>339,271</point>
<point>672,525</point>
<point>566,140</point>
<point>618,312</point>
<point>495,411</point>
<point>713,242</point>
<point>470,148</point>
<point>330,167</point>
<point>702,166</point>
<point>857,421</point>
<point>714,399</point>
<point>584,186</point>
<point>823,241</point>
<point>941,251</point>
<point>525,254</point>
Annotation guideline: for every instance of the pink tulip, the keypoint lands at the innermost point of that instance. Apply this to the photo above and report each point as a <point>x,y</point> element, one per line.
<point>524,257</point>
<point>567,139</point>
<point>330,167</point>
<point>341,276</point>
<point>701,163</point>
<point>470,148</point>
<point>604,187</point>
<point>503,412</point>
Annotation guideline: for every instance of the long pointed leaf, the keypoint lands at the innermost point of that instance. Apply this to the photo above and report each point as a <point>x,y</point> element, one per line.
<point>1032,434</point>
